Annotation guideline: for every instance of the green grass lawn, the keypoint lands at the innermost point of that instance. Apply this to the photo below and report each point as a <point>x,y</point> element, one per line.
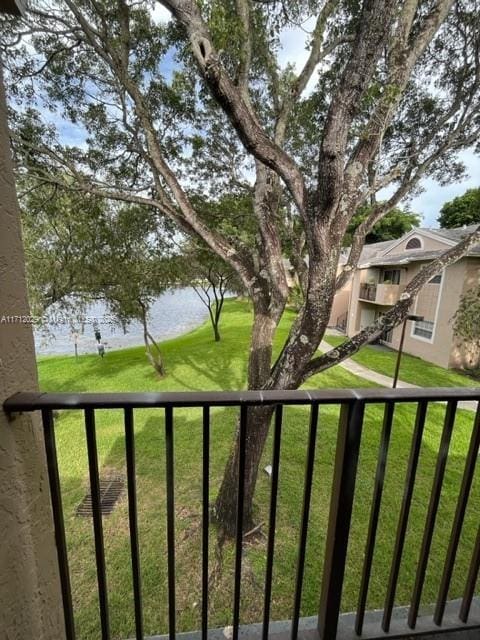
<point>412,369</point>
<point>195,361</point>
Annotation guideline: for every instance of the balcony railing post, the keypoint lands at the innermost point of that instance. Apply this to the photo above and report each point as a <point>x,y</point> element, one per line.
<point>341,504</point>
<point>58,522</point>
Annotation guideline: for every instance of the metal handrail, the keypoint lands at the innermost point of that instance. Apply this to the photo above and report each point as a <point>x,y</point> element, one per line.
<point>28,401</point>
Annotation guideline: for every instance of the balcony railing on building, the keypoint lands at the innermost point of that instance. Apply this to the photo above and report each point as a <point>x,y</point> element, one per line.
<point>368,291</point>
<point>382,293</point>
<point>329,624</point>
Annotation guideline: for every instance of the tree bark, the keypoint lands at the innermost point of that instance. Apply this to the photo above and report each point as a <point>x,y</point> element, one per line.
<point>258,423</point>
<point>225,509</point>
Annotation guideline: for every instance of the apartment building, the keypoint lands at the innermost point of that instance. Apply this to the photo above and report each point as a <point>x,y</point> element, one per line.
<point>383,272</point>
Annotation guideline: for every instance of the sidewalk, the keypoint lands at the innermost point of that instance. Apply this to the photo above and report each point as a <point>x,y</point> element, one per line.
<point>384,381</point>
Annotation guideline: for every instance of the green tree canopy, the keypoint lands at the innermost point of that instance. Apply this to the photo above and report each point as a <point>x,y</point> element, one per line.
<point>393,225</point>
<point>462,210</point>
<point>466,325</point>
<point>81,248</point>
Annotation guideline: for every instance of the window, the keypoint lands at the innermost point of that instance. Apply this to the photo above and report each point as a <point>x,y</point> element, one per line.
<point>424,329</point>
<point>436,279</point>
<point>414,243</point>
<point>391,276</point>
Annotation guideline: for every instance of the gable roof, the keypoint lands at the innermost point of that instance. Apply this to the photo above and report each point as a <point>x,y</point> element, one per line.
<point>376,253</point>
<point>455,235</point>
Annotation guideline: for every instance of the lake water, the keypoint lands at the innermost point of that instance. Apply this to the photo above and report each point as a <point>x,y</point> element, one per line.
<point>173,313</point>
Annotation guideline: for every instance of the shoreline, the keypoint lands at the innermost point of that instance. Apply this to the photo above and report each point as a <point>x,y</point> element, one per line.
<point>173,314</point>
<point>58,356</point>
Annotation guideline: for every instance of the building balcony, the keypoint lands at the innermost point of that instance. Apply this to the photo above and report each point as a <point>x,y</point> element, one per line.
<point>383,294</point>
<point>456,616</point>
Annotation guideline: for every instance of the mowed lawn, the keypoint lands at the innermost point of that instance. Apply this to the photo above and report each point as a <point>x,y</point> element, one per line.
<point>195,361</point>
<point>413,370</point>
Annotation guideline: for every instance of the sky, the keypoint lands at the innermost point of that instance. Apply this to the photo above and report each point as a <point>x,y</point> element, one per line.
<point>427,204</point>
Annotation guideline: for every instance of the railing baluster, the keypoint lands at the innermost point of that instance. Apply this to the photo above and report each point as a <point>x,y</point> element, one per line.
<point>432,512</point>
<point>340,515</point>
<point>404,514</point>
<point>170,520</point>
<point>458,520</point>
<point>374,514</point>
<point>307,492</point>
<point>272,520</point>
<point>58,521</point>
<point>97,521</point>
<point>471,581</point>
<point>239,524</point>
<point>205,518</point>
<point>133,521</point>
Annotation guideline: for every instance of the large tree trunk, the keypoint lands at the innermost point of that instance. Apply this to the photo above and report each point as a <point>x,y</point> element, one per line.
<point>215,321</point>
<point>306,333</point>
<point>258,422</point>
<point>153,352</point>
<point>225,510</point>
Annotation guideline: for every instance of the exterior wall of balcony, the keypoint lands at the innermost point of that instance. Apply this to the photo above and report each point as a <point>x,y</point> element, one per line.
<point>388,294</point>
<point>29,585</point>
<point>384,294</point>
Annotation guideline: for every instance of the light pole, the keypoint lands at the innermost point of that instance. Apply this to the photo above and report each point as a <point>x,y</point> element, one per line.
<point>400,346</point>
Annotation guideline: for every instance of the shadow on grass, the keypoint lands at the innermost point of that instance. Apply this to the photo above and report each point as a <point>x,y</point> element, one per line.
<point>193,362</point>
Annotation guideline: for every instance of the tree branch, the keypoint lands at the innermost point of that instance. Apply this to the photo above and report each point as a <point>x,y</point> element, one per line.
<point>404,52</point>
<point>229,97</point>
<point>369,44</point>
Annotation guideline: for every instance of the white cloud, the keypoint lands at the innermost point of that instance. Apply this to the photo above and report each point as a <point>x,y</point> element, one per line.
<point>160,14</point>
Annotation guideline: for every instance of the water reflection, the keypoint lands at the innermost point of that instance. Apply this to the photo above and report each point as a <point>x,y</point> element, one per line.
<point>173,313</point>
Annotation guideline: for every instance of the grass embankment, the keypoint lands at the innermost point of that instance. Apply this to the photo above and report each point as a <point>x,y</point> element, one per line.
<point>413,370</point>
<point>195,361</point>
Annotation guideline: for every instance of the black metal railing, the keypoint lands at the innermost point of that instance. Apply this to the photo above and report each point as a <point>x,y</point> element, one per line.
<point>352,405</point>
<point>368,291</point>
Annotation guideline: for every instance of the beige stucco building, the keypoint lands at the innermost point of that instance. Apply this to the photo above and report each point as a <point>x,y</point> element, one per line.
<point>384,270</point>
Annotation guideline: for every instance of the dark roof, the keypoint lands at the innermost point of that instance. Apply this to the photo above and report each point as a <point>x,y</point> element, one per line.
<point>376,248</point>
<point>373,254</point>
<point>405,258</point>
<point>455,235</point>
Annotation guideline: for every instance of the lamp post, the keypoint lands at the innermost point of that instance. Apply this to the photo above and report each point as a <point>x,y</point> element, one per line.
<point>400,346</point>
